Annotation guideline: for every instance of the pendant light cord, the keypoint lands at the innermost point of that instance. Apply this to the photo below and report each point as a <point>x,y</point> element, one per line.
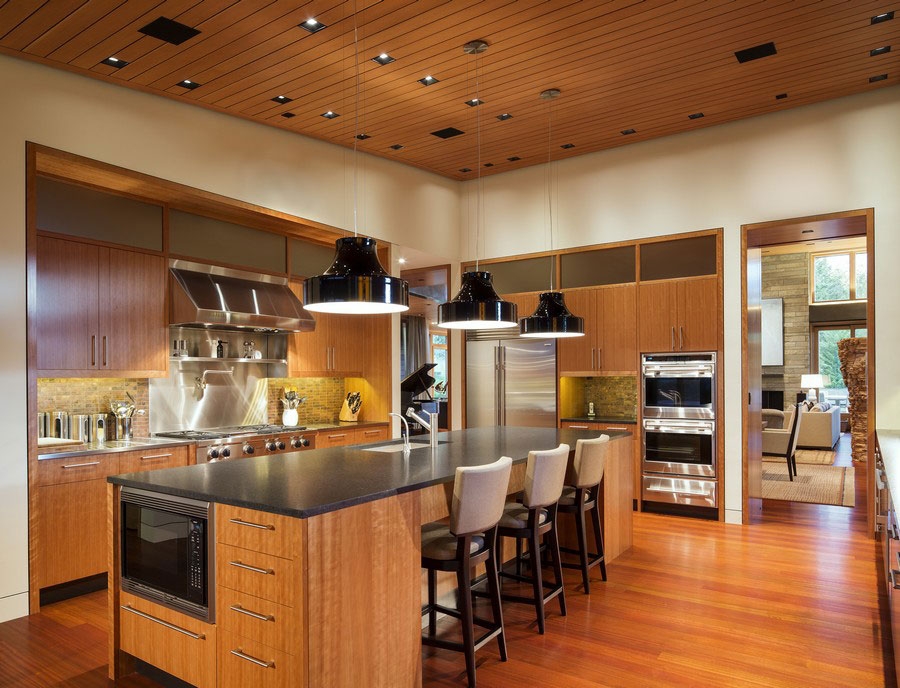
<point>550,180</point>
<point>356,123</point>
<point>479,201</point>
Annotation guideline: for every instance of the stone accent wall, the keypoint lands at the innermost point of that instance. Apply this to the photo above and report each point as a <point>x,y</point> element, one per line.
<point>324,397</point>
<point>787,277</point>
<point>92,395</point>
<point>613,396</point>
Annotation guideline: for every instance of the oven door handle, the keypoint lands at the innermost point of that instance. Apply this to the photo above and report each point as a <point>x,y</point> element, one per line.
<point>672,430</point>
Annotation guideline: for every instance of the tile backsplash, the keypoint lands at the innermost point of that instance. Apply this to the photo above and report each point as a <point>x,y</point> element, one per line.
<point>92,395</point>
<point>613,396</point>
<point>324,396</point>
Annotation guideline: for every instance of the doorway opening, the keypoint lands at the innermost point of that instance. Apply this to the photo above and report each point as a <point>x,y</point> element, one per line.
<point>807,285</point>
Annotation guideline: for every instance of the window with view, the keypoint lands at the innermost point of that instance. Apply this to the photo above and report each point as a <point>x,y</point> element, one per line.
<point>825,341</point>
<point>838,276</point>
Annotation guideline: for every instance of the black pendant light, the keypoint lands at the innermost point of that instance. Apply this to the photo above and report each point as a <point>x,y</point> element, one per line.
<point>551,319</point>
<point>477,305</point>
<point>356,283</point>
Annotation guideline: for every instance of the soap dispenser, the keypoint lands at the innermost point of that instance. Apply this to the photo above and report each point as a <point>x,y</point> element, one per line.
<point>590,409</point>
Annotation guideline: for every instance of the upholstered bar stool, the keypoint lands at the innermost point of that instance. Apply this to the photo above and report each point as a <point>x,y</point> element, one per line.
<point>479,493</point>
<point>582,495</point>
<point>533,519</point>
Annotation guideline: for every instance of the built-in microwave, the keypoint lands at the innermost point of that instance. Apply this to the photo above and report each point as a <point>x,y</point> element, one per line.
<point>167,551</point>
<point>679,385</point>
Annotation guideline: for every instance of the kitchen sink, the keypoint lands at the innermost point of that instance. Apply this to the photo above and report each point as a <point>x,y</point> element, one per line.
<point>398,447</point>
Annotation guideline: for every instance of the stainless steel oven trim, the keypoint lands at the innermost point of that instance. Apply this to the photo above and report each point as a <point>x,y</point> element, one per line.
<point>190,507</point>
<point>675,490</point>
<point>675,468</point>
<point>681,365</point>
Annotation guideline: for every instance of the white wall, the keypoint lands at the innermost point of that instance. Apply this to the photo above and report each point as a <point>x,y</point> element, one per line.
<point>189,145</point>
<point>839,155</point>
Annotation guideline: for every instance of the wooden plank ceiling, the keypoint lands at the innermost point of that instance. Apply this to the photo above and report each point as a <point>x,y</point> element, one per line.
<point>622,65</point>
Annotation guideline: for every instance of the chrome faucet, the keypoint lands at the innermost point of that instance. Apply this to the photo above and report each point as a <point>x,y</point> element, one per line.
<point>431,424</point>
<point>404,436</point>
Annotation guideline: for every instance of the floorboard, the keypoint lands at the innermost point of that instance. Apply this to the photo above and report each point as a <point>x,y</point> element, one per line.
<point>792,601</point>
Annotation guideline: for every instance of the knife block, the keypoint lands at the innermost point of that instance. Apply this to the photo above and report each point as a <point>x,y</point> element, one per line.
<point>346,414</point>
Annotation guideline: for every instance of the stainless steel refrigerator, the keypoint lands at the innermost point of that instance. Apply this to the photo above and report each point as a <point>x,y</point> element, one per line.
<point>511,382</point>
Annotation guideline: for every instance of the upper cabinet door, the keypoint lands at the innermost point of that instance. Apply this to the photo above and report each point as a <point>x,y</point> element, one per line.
<point>579,354</point>
<point>66,318</point>
<point>657,316</point>
<point>698,310</point>
<point>617,338</point>
<point>308,352</point>
<point>133,323</point>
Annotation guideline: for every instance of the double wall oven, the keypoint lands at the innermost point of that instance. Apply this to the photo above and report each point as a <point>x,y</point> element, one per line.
<point>679,431</point>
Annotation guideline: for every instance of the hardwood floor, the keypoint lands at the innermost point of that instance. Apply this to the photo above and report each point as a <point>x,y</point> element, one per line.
<point>792,601</point>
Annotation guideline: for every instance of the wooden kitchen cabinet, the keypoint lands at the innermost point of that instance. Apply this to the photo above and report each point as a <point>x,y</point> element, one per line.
<point>609,344</point>
<point>346,436</point>
<point>679,315</point>
<point>152,458</point>
<point>100,311</point>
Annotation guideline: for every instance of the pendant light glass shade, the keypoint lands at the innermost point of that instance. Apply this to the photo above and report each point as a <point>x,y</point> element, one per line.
<point>356,283</point>
<point>477,306</point>
<point>551,319</point>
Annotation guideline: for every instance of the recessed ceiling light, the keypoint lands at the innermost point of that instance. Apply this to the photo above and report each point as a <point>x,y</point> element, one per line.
<point>363,137</point>
<point>312,25</point>
<point>118,64</point>
<point>755,53</point>
<point>428,80</point>
<point>169,30</point>
<point>879,77</point>
<point>402,261</point>
<point>505,116</point>
<point>282,99</point>
<point>288,115</point>
<point>383,59</point>
<point>781,96</point>
<point>465,169</point>
<point>330,115</point>
<point>488,164</point>
<point>627,132</point>
<point>696,115</point>
<point>567,145</point>
<point>447,133</point>
<point>397,146</point>
<point>188,84</point>
<point>514,158</point>
<point>880,51</point>
<point>474,102</point>
<point>883,17</point>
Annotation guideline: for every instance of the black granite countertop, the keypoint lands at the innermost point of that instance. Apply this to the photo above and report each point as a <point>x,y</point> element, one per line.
<point>599,419</point>
<point>307,483</point>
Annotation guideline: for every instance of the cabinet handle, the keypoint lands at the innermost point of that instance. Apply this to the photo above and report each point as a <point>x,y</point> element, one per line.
<point>592,358</point>
<point>672,340</point>
<point>613,427</point>
<point>261,526</point>
<point>255,569</point>
<point>335,437</point>
<point>93,349</point>
<point>578,427</point>
<point>681,336</point>
<point>372,432</point>
<point>251,658</point>
<point>104,350</point>
<point>81,465</point>
<point>155,456</point>
<point>143,615</point>
<point>262,617</point>
<point>599,359</point>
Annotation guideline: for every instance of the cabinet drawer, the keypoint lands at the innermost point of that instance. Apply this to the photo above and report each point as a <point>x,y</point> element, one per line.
<point>259,531</point>
<point>260,620</point>
<point>257,574</point>
<point>180,645</point>
<point>152,458</point>
<point>577,425</point>
<point>376,434</point>
<point>244,662</point>
<point>339,437</point>
<point>75,468</point>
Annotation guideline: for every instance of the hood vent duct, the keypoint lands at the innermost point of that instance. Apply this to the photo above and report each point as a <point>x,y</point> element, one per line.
<point>222,298</point>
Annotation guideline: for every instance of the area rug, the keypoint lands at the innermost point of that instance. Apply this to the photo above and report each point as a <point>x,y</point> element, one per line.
<point>813,484</point>
<point>822,457</point>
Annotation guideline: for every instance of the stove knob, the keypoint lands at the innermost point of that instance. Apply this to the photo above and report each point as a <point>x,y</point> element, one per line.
<point>212,453</point>
<point>270,446</point>
<point>280,444</point>
<point>226,452</point>
<point>299,442</point>
<point>248,449</point>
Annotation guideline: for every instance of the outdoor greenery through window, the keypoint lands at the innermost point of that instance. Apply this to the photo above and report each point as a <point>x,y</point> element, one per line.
<point>839,276</point>
<point>828,363</point>
<point>439,357</point>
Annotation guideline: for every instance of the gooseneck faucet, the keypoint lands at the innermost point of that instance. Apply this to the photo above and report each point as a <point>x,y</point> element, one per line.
<point>404,435</point>
<point>431,424</point>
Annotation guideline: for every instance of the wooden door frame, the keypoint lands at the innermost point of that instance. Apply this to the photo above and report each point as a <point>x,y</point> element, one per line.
<point>868,214</point>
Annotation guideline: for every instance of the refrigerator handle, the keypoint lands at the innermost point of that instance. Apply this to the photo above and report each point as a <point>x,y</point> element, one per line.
<point>501,385</point>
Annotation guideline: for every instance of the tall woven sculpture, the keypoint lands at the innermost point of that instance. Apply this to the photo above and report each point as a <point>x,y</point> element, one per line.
<point>852,353</point>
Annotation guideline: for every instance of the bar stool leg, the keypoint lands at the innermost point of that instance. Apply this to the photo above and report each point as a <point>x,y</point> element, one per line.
<point>493,580</point>
<point>464,581</point>
<point>582,549</point>
<point>557,568</point>
<point>534,545</point>
<point>598,534</point>
<point>432,596</point>
<point>518,557</point>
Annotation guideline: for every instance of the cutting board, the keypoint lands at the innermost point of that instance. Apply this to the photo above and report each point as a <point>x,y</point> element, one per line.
<point>57,442</point>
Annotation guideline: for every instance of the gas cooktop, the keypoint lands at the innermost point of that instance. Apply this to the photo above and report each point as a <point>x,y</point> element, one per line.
<point>232,431</point>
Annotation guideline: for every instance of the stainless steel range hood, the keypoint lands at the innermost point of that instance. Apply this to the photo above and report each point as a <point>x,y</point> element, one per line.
<point>211,296</point>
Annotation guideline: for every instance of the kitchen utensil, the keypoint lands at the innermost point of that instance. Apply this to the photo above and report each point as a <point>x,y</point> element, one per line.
<point>101,428</point>
<point>124,430</point>
<point>59,424</point>
<point>350,407</point>
<point>43,424</point>
<point>80,427</point>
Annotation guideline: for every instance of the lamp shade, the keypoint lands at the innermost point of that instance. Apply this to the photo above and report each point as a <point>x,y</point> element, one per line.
<point>477,306</point>
<point>812,381</point>
<point>551,319</point>
<point>356,283</point>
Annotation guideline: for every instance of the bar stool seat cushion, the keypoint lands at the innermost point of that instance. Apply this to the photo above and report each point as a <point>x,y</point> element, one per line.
<point>439,543</point>
<point>516,516</point>
<point>568,496</point>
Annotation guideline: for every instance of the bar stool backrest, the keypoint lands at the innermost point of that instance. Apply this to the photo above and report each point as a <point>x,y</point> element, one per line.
<point>545,474</point>
<point>479,494</point>
<point>589,463</point>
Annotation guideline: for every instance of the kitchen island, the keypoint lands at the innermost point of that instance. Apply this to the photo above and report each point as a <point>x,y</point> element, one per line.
<point>329,565</point>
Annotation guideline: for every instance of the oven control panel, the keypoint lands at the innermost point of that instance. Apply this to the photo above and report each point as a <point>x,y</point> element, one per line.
<point>247,447</point>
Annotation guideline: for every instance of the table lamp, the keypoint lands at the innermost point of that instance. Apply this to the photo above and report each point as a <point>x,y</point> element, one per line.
<point>813,382</point>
